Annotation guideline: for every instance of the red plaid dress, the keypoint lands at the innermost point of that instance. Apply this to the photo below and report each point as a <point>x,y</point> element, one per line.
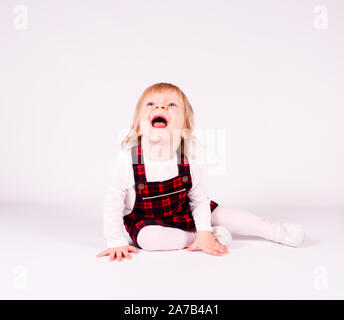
<point>164,203</point>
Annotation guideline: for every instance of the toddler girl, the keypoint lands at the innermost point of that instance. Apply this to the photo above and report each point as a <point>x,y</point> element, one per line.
<point>157,190</point>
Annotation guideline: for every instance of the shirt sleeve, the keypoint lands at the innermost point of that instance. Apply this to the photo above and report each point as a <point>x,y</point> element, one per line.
<point>199,200</point>
<point>114,203</point>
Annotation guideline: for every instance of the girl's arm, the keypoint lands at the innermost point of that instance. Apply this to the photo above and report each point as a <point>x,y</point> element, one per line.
<point>114,203</point>
<point>199,200</point>
<point>201,212</point>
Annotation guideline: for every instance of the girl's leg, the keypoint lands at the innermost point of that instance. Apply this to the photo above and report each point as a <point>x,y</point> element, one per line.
<point>156,237</point>
<point>246,223</point>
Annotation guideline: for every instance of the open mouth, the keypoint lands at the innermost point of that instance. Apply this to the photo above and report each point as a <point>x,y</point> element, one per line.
<point>159,121</point>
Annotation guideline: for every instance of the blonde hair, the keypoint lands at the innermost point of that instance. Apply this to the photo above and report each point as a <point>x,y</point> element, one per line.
<point>189,139</point>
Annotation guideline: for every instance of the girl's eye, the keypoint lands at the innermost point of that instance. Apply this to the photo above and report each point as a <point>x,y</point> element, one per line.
<point>172,105</point>
<point>150,104</point>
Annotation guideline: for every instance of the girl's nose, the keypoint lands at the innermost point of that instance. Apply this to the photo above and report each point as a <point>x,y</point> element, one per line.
<point>162,106</point>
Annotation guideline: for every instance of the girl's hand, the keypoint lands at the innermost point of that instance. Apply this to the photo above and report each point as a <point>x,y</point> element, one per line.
<point>117,252</point>
<point>206,242</point>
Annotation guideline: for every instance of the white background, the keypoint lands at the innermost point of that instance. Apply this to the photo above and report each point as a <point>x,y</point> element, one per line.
<point>260,70</point>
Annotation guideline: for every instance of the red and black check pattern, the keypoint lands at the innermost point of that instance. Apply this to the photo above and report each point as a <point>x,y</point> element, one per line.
<point>164,203</point>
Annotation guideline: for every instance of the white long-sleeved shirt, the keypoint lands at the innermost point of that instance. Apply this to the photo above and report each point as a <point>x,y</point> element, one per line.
<point>120,194</point>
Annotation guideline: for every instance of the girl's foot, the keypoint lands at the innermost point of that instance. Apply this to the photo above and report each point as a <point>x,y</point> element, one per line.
<point>290,234</point>
<point>222,235</point>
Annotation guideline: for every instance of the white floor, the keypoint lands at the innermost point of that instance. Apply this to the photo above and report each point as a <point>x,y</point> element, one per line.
<point>49,253</point>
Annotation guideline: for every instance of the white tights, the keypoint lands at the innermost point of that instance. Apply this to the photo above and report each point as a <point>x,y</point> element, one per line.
<point>156,237</point>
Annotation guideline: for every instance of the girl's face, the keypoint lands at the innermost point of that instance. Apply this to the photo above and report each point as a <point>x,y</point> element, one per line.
<point>162,115</point>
